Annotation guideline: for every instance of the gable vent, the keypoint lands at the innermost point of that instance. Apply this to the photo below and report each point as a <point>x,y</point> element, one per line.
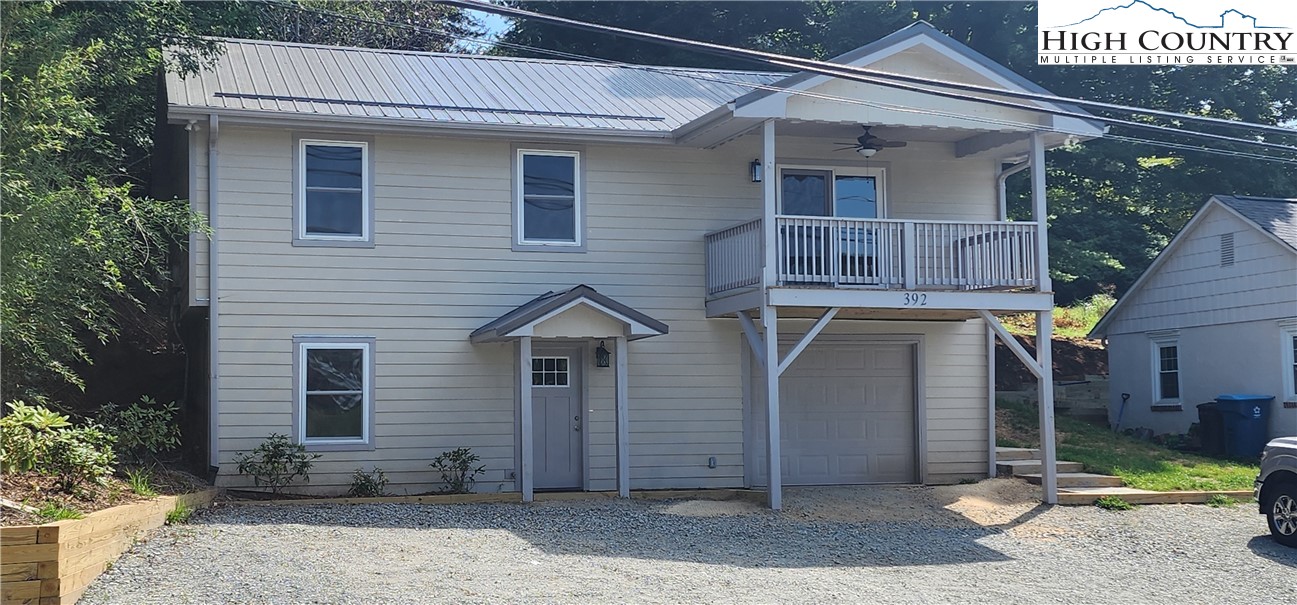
<point>1227,249</point>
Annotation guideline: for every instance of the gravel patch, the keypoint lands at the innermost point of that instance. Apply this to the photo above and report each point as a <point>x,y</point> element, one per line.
<point>985,543</point>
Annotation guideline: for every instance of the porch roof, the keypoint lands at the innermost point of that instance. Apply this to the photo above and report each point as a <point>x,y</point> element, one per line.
<point>520,321</point>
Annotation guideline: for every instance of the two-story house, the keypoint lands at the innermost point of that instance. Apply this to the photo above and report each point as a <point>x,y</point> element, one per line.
<point>608,277</point>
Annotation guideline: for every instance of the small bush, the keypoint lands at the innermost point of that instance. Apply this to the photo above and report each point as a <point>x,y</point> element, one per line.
<point>1113,503</point>
<point>367,485</point>
<point>57,512</point>
<point>141,482</point>
<point>1221,501</point>
<point>143,430</point>
<point>458,473</point>
<point>277,463</point>
<point>80,454</point>
<point>26,433</point>
<point>179,514</point>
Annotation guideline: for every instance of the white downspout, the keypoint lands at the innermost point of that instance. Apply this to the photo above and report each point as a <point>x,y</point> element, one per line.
<point>1001,181</point>
<point>213,298</point>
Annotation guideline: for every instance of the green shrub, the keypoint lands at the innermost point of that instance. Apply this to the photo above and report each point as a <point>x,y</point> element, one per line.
<point>1221,501</point>
<point>141,482</point>
<point>56,512</point>
<point>458,474</point>
<point>37,439</point>
<point>1113,503</point>
<point>179,514</point>
<point>276,463</point>
<point>144,429</point>
<point>367,485</point>
<point>26,433</point>
<point>80,454</point>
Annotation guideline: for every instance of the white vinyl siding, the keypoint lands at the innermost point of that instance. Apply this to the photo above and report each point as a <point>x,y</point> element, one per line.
<point>1192,288</point>
<point>444,219</point>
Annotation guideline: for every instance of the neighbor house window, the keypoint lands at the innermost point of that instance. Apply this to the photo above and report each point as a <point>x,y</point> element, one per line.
<point>333,193</point>
<point>548,199</point>
<point>1288,344</point>
<point>335,391</point>
<point>1166,370</point>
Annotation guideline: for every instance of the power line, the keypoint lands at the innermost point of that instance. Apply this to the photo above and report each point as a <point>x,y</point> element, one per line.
<point>878,77</point>
<point>760,86</point>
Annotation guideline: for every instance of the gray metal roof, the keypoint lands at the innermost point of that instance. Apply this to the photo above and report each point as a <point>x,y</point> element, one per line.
<point>324,81</point>
<point>536,308</point>
<point>1278,216</point>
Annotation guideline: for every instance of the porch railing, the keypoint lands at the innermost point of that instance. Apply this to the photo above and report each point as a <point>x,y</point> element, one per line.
<point>886,253</point>
<point>734,257</point>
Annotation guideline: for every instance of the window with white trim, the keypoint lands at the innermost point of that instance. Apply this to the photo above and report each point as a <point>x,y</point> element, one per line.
<point>333,195</point>
<point>335,391</point>
<point>547,198</point>
<point>1166,370</point>
<point>1288,342</point>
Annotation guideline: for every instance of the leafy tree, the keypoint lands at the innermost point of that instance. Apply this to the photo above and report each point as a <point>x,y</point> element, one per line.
<point>1114,204</point>
<point>85,251</point>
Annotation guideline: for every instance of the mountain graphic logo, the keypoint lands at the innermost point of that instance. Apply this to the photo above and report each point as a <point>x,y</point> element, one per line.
<point>1134,3</point>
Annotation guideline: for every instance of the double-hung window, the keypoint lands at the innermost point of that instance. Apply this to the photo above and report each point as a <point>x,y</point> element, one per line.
<point>335,392</point>
<point>547,197</point>
<point>333,193</point>
<point>1166,370</point>
<point>1288,357</point>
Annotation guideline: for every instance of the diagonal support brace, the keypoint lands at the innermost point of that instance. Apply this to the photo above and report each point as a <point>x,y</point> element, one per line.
<point>1018,350</point>
<point>807,338</point>
<point>754,339</point>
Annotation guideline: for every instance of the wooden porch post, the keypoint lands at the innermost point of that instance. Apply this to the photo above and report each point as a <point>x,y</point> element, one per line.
<point>524,415</point>
<point>990,401</point>
<point>1044,325</point>
<point>623,420</point>
<point>770,317</point>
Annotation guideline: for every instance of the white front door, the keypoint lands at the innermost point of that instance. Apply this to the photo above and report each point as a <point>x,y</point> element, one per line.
<point>557,422</point>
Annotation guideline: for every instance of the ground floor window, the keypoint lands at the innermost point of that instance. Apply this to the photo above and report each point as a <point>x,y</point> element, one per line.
<point>334,382</point>
<point>1166,371</point>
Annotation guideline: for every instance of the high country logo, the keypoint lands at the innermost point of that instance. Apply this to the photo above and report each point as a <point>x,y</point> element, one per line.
<point>1167,32</point>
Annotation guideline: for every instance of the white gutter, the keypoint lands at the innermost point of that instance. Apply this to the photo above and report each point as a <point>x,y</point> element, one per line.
<point>213,300</point>
<point>1000,182</point>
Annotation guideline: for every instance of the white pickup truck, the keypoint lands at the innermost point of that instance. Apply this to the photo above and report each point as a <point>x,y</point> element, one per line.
<point>1276,489</point>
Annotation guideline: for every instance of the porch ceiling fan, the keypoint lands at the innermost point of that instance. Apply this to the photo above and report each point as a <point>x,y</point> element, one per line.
<point>868,144</point>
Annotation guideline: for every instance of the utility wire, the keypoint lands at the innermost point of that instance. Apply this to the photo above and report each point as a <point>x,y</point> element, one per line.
<point>711,77</point>
<point>877,77</point>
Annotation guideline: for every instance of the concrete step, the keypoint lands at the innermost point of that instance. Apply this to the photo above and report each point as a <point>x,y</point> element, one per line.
<point>1068,480</point>
<point>1018,468</point>
<point>1016,453</point>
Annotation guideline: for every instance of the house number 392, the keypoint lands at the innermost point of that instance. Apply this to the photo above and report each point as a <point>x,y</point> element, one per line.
<point>916,299</point>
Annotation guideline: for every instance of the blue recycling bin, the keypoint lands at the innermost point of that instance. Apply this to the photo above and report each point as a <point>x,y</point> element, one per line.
<point>1246,418</point>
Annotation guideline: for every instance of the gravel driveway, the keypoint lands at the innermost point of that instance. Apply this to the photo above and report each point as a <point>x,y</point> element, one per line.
<point>986,543</point>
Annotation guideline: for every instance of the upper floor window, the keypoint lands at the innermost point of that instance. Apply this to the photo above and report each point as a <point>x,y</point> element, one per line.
<point>333,196</point>
<point>547,199</point>
<point>1166,371</point>
<point>335,392</point>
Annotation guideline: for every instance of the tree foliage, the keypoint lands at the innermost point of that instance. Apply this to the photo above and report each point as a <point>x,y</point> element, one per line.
<point>1114,203</point>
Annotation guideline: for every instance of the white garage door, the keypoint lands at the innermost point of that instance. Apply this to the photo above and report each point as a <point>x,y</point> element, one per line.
<point>847,416</point>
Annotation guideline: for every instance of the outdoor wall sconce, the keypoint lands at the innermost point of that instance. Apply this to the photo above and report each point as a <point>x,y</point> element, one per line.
<point>601,356</point>
<point>758,171</point>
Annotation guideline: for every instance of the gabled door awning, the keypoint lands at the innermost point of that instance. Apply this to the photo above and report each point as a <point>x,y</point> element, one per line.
<point>590,315</point>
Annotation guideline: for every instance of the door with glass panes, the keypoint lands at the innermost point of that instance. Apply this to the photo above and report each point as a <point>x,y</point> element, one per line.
<point>829,251</point>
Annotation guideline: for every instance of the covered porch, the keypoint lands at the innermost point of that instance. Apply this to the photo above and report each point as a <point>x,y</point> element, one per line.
<point>555,336</point>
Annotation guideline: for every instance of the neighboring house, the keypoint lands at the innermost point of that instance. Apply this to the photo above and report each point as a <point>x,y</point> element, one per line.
<point>1215,314</point>
<point>414,252</point>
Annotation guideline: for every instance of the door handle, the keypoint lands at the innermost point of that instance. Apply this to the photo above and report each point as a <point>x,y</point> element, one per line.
<point>577,427</point>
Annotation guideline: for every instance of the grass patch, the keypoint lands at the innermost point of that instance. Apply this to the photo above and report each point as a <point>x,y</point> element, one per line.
<point>1113,503</point>
<point>179,514</point>
<point>1221,501</point>
<point>141,482</point>
<point>53,511</point>
<point>1074,321</point>
<point>1140,464</point>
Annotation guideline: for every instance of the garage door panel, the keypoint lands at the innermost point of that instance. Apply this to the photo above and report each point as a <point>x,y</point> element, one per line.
<point>847,415</point>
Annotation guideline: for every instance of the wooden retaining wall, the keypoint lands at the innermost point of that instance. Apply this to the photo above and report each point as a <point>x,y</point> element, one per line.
<point>52,564</point>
